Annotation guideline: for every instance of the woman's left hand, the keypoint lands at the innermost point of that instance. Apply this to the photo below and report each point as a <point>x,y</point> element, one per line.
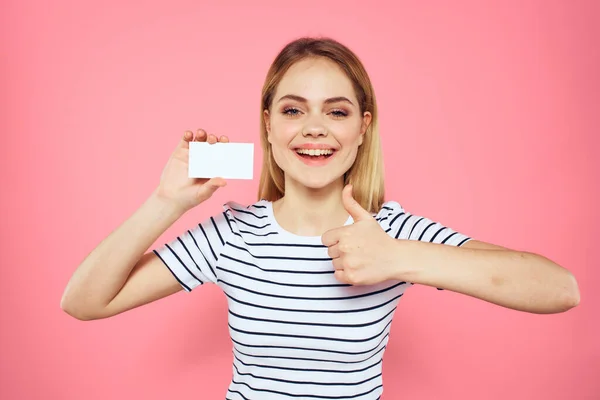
<point>362,253</point>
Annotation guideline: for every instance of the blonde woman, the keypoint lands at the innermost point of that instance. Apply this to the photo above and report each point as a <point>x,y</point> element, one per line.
<point>314,270</point>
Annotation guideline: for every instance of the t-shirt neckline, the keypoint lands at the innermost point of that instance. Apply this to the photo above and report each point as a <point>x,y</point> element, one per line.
<point>284,232</point>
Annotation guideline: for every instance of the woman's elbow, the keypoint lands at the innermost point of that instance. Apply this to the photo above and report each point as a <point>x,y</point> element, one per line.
<point>571,296</point>
<point>76,311</point>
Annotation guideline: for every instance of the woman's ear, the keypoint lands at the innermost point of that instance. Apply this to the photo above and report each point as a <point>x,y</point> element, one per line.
<point>366,121</point>
<point>267,119</point>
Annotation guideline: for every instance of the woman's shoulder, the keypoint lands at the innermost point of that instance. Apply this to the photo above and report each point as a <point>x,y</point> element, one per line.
<point>389,208</point>
<point>389,214</point>
<point>253,219</point>
<point>258,209</point>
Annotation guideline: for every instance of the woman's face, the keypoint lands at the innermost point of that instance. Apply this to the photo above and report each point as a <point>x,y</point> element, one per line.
<point>315,125</point>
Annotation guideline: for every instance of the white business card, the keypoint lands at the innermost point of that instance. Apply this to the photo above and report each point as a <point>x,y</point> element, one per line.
<point>224,160</point>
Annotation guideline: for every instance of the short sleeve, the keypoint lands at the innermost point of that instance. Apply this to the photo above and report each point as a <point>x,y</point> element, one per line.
<point>192,256</point>
<point>404,225</point>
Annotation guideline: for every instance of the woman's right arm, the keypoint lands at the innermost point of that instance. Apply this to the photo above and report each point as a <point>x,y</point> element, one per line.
<point>120,273</point>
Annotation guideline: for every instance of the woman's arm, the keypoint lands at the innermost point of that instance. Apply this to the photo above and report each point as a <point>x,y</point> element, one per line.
<point>514,279</point>
<point>104,285</point>
<point>362,253</point>
<point>117,276</point>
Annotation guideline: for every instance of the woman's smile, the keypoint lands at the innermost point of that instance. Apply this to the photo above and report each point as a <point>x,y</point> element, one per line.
<point>315,154</point>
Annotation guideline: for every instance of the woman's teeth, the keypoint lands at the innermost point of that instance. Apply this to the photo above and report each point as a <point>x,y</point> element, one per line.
<point>315,152</point>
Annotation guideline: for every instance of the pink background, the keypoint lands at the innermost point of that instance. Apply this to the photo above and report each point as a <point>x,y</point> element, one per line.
<point>489,119</point>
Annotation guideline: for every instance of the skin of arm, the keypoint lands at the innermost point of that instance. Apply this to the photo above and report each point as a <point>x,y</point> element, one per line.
<point>104,272</point>
<point>518,280</point>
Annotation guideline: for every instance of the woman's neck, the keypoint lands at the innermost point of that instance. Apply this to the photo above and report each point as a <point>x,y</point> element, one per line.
<point>309,212</point>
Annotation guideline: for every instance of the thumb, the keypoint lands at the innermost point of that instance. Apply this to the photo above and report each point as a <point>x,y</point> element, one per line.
<point>207,189</point>
<point>354,209</point>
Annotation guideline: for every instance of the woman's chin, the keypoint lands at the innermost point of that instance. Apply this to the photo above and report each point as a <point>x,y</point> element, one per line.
<point>317,182</point>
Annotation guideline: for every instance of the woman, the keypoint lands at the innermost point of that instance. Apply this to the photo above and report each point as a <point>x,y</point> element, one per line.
<point>314,270</point>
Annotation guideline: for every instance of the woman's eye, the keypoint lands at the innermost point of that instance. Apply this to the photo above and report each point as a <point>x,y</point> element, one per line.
<point>291,111</point>
<point>339,113</point>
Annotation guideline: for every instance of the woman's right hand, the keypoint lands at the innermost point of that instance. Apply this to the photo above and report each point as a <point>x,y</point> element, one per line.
<point>176,187</point>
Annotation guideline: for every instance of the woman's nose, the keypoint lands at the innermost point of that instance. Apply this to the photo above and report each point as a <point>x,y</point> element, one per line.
<point>314,128</point>
<point>314,132</point>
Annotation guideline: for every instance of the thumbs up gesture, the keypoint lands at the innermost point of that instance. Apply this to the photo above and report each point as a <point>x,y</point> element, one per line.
<point>362,253</point>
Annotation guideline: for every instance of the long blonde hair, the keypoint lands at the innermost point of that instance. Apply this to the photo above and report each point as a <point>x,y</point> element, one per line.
<point>366,174</point>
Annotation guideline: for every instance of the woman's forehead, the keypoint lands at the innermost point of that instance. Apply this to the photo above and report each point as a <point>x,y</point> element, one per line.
<point>315,80</point>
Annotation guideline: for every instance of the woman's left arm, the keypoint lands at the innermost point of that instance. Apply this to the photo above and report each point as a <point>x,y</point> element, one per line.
<point>518,280</point>
<point>363,254</point>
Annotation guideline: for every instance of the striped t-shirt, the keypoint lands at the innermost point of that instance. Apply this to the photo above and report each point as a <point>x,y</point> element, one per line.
<point>297,332</point>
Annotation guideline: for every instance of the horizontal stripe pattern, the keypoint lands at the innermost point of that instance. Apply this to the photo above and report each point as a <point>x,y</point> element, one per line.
<point>192,257</point>
<point>297,332</point>
<point>404,225</point>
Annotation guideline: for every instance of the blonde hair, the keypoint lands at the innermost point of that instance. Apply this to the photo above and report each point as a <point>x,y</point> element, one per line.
<point>366,174</point>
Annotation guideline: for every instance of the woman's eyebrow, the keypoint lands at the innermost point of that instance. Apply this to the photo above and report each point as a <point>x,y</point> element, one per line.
<point>303,100</point>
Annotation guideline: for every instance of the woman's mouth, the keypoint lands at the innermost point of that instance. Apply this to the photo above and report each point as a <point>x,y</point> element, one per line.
<point>314,153</point>
<point>315,157</point>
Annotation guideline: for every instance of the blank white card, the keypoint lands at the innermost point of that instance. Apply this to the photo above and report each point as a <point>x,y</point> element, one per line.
<point>225,160</point>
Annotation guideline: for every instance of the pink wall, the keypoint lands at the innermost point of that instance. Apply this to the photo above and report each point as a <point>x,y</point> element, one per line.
<point>489,118</point>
